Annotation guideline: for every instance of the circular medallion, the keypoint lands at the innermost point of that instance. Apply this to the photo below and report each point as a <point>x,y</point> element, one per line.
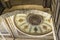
<point>34,22</point>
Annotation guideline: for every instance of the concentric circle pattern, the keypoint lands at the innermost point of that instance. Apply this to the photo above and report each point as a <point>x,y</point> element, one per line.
<point>34,22</point>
